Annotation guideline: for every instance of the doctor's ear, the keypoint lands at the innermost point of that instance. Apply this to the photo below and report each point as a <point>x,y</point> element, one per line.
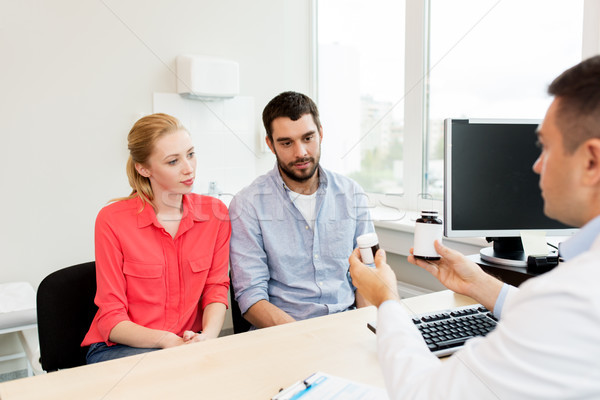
<point>591,151</point>
<point>142,170</point>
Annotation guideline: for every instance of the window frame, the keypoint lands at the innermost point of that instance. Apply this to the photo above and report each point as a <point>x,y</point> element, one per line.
<point>416,75</point>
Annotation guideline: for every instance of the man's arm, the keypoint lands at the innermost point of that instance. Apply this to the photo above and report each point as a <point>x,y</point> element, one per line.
<point>264,314</point>
<point>249,268</point>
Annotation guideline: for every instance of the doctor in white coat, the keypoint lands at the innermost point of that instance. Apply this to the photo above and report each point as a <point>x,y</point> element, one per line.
<point>547,342</point>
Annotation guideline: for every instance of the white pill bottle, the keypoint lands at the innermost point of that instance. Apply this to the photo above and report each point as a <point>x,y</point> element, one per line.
<point>368,245</point>
<point>427,229</point>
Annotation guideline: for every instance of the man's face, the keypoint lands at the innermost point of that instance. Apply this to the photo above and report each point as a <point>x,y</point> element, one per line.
<point>297,146</point>
<point>559,173</point>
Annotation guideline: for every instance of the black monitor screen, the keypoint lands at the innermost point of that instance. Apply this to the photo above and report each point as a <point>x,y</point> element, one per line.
<point>490,188</point>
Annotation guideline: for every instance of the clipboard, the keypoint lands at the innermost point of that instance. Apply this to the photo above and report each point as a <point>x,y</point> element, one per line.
<point>321,386</point>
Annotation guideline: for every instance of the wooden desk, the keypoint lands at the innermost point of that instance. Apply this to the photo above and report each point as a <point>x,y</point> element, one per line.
<point>252,365</point>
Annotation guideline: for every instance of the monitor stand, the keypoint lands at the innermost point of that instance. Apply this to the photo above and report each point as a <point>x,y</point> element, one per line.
<point>506,251</point>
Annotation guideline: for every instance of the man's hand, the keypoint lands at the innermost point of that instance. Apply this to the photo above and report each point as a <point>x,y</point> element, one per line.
<point>377,284</point>
<point>461,275</point>
<point>263,314</point>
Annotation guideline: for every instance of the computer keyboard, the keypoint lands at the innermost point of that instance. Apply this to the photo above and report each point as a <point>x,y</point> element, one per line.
<point>447,331</point>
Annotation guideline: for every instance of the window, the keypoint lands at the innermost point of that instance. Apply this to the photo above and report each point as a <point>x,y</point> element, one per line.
<point>360,86</point>
<point>490,59</point>
<point>382,112</point>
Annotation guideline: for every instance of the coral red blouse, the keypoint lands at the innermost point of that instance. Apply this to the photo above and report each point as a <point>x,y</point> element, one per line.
<point>152,279</point>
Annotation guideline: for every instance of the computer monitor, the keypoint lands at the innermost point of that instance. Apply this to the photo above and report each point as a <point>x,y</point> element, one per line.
<point>490,189</point>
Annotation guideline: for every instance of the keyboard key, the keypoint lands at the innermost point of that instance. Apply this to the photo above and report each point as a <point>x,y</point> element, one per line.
<point>435,317</point>
<point>490,315</point>
<point>453,342</point>
<point>462,313</point>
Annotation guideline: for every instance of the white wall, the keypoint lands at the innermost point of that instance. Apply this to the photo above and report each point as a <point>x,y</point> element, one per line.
<point>74,77</point>
<point>222,131</point>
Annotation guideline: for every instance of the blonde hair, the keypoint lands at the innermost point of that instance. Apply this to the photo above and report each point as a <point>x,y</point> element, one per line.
<point>140,142</point>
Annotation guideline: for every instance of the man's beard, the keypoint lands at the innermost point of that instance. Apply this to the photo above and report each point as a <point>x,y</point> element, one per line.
<point>294,175</point>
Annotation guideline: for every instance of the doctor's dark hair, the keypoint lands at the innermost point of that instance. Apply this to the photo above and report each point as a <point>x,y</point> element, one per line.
<point>141,141</point>
<point>578,93</point>
<point>292,105</point>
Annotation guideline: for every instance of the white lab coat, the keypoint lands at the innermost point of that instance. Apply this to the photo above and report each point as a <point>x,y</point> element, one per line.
<point>546,345</point>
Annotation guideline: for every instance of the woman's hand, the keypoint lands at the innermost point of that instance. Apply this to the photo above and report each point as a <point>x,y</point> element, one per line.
<point>169,339</point>
<point>190,337</point>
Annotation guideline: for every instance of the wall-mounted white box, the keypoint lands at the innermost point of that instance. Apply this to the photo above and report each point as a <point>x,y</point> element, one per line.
<point>224,135</point>
<point>207,78</point>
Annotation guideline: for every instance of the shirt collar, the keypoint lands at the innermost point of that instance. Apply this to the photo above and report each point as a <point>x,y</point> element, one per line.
<point>582,241</point>
<point>148,217</point>
<point>196,211</point>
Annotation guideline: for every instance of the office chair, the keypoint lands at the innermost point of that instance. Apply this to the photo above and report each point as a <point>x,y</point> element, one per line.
<point>240,324</point>
<point>65,309</point>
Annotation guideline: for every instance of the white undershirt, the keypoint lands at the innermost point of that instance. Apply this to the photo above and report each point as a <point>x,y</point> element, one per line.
<point>306,204</point>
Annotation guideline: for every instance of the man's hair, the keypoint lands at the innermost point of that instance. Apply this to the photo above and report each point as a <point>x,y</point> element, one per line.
<point>578,92</point>
<point>292,105</point>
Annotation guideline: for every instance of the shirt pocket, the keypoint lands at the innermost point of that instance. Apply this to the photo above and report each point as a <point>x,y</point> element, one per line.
<point>338,238</point>
<point>199,269</point>
<point>145,283</point>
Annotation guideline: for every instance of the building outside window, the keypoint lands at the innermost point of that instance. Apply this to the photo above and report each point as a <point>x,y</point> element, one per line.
<point>389,72</point>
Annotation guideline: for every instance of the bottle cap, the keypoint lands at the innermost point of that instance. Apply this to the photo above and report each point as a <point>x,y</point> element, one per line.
<point>367,240</point>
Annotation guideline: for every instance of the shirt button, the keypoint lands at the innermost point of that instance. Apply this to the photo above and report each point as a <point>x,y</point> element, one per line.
<point>320,283</point>
<point>306,226</point>
<point>316,256</point>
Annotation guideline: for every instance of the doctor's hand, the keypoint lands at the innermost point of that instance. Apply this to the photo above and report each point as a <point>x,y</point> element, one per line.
<point>461,275</point>
<point>377,284</point>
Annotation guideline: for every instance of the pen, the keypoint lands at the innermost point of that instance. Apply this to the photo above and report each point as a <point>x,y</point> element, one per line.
<point>292,391</point>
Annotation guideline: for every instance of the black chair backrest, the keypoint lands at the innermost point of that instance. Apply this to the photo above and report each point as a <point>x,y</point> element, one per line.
<point>65,310</point>
<point>240,324</point>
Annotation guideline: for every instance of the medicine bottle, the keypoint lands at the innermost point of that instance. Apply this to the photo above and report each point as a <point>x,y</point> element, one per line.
<point>427,229</point>
<point>368,245</point>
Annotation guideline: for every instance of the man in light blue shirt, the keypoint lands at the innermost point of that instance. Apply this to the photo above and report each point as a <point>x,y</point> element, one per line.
<point>294,227</point>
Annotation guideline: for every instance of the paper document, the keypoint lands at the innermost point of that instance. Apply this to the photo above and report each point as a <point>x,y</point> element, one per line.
<point>321,386</point>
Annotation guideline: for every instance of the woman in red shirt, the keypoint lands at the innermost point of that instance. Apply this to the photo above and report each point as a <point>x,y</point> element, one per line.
<point>161,253</point>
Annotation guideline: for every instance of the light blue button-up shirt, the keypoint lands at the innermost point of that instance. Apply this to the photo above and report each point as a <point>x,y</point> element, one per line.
<point>276,256</point>
<point>582,241</point>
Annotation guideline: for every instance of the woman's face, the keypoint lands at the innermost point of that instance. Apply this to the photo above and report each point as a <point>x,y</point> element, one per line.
<point>171,167</point>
